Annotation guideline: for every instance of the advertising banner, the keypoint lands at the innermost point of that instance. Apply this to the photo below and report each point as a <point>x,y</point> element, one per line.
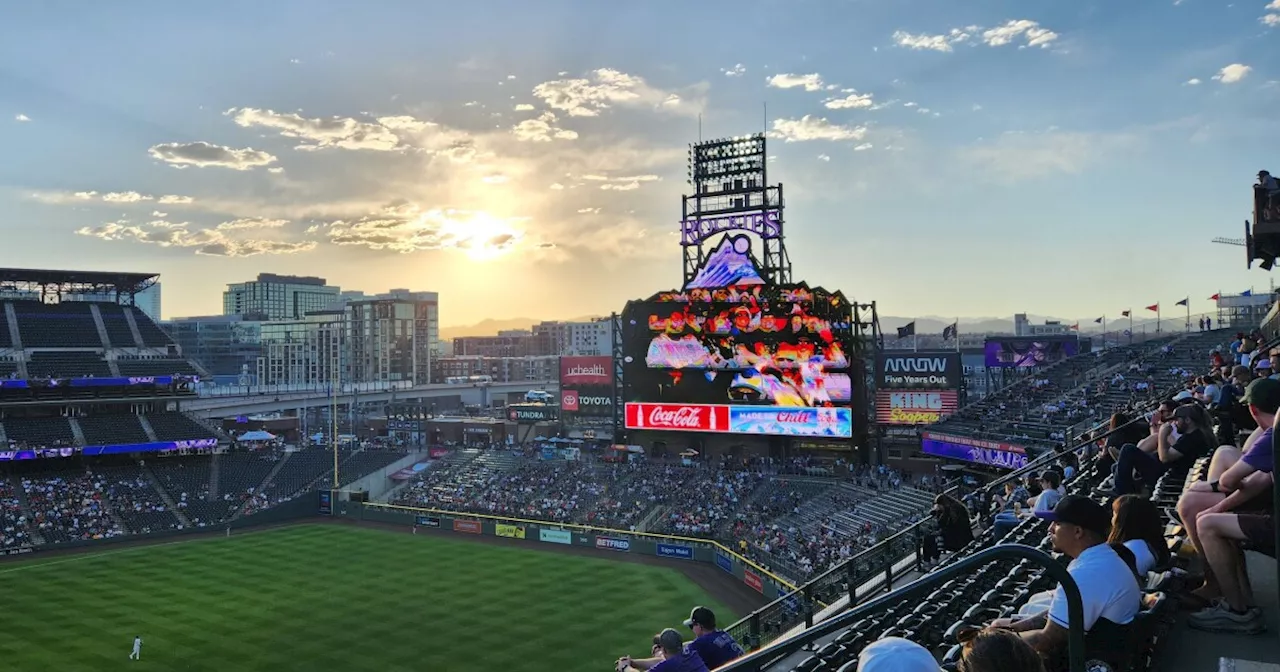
<point>612,544</point>
<point>580,371</point>
<point>1026,353</point>
<point>920,407</point>
<point>918,371</point>
<point>409,472</point>
<point>675,551</point>
<point>509,531</point>
<point>556,536</point>
<point>593,400</point>
<point>326,502</point>
<point>437,453</point>
<point>528,414</point>
<point>752,579</point>
<point>723,561</point>
<point>467,526</point>
<point>833,422</point>
<point>426,521</point>
<point>976,451</point>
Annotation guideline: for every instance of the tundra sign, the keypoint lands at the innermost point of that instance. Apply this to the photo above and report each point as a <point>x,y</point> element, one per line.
<point>918,371</point>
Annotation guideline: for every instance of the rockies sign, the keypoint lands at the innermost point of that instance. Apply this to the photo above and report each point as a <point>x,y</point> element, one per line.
<point>918,371</point>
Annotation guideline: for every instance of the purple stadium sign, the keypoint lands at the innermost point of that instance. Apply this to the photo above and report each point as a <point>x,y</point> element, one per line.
<point>765,224</point>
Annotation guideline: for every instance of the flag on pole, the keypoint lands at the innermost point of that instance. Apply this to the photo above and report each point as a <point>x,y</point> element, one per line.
<point>1125,313</point>
<point>1155,308</point>
<point>1075,327</point>
<point>950,331</point>
<point>1183,302</point>
<point>908,330</point>
<point>1247,292</point>
<point>1215,297</point>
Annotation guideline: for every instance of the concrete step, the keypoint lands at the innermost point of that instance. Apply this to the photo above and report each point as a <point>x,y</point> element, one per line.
<point>1234,665</point>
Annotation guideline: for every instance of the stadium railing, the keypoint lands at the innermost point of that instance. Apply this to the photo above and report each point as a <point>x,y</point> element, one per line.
<point>763,658</point>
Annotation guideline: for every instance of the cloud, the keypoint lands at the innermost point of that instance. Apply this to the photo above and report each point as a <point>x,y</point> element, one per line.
<point>786,80</point>
<point>21,117</point>
<point>588,211</point>
<point>124,197</point>
<point>736,71</point>
<point>542,129</point>
<point>175,200</point>
<point>495,178</point>
<point>339,132</point>
<point>605,88</point>
<point>1271,20</point>
<point>205,155</point>
<point>853,101</point>
<point>863,147</point>
<point>921,42</point>
<point>117,197</point>
<point>809,127</point>
<point>1194,81</point>
<point>1029,31</point>
<point>405,227</point>
<point>157,213</point>
<point>524,107</point>
<point>251,223</point>
<point>823,157</point>
<point>1017,156</point>
<point>1232,73</point>
<point>622,183</point>
<point>208,241</point>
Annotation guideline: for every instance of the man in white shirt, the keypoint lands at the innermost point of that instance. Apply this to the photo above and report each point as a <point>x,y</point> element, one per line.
<point>137,648</point>
<point>1108,588</point>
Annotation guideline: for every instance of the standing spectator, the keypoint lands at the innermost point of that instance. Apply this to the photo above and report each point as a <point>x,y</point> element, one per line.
<point>953,522</point>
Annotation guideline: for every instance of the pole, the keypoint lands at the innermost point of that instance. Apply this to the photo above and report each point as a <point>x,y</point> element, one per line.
<point>1104,332</point>
<point>1188,307</point>
<point>915,339</point>
<point>956,333</point>
<point>1157,318</point>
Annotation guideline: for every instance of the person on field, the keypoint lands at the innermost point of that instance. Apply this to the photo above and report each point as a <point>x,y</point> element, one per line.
<point>672,656</point>
<point>137,648</point>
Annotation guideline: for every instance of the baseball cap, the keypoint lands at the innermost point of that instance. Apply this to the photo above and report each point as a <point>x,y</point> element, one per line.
<point>895,654</point>
<point>1185,394</point>
<point>701,616</point>
<point>1263,364</point>
<point>1263,393</point>
<point>670,640</point>
<point>1082,511</point>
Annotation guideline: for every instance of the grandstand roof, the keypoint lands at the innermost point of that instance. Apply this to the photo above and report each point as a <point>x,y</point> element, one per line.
<point>118,280</point>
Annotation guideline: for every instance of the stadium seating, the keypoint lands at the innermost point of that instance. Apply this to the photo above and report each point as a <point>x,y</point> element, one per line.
<point>118,332</point>
<point>14,529</point>
<point>172,426</point>
<point>188,483</point>
<point>108,430</point>
<point>69,506</point>
<point>67,365</point>
<point>6,339</point>
<point>169,366</point>
<point>152,335</point>
<point>62,325</point>
<point>138,504</point>
<point>8,368</point>
<point>39,432</point>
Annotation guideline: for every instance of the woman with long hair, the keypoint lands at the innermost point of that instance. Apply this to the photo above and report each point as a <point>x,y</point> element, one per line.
<point>953,522</point>
<point>997,650</point>
<point>1136,523</point>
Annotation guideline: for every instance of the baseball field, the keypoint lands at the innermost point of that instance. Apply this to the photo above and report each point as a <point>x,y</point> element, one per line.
<point>336,597</point>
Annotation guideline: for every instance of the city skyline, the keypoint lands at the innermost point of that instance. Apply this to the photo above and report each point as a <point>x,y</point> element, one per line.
<point>1070,161</point>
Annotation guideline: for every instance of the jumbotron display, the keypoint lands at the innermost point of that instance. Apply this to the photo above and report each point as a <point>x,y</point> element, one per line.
<point>746,358</point>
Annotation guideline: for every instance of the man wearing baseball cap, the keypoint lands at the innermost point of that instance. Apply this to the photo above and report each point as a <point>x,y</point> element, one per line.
<point>672,656</point>
<point>1108,587</point>
<point>1178,444</point>
<point>716,647</point>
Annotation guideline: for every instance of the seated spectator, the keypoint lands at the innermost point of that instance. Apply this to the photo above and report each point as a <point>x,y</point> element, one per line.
<point>670,655</point>
<point>1239,481</point>
<point>1136,524</point>
<point>715,647</point>
<point>1050,493</point>
<point>1221,535</point>
<point>997,650</point>
<point>954,525</point>
<point>1194,437</point>
<point>1108,588</point>
<point>895,654</point>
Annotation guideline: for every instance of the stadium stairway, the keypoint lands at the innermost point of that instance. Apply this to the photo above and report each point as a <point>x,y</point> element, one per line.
<point>164,494</point>
<point>20,493</point>
<point>133,328</point>
<point>213,477</point>
<point>77,431</point>
<point>100,326</point>
<point>147,428</point>
<point>261,487</point>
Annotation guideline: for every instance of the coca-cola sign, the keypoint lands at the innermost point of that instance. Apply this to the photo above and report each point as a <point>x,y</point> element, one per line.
<point>678,417</point>
<point>586,371</point>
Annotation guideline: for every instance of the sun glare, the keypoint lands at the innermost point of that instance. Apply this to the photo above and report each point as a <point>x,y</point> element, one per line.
<point>482,235</point>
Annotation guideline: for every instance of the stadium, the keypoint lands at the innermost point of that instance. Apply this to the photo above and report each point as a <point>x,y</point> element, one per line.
<point>754,419</point>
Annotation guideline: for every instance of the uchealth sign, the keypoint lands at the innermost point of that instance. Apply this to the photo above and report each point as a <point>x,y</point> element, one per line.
<point>918,371</point>
<point>914,407</point>
<point>830,422</point>
<point>586,371</point>
<point>588,401</point>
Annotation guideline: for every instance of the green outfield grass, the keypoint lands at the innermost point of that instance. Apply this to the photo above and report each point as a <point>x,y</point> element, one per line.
<point>333,598</point>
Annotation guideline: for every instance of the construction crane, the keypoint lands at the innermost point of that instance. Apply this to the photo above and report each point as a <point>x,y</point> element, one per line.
<point>1238,242</point>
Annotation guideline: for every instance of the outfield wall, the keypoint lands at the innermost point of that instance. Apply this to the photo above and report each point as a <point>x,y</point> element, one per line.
<point>604,540</point>
<point>300,508</point>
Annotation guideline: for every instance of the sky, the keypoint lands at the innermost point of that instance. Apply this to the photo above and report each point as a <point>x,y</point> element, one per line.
<point>527,159</point>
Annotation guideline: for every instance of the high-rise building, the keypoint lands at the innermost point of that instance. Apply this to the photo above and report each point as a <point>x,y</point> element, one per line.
<point>394,337</point>
<point>505,344</point>
<point>578,339</point>
<point>310,351</point>
<point>279,297</point>
<point>228,346</point>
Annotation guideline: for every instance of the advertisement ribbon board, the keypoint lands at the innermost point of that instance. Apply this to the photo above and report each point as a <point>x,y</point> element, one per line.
<point>675,551</point>
<point>509,531</point>
<point>556,536</point>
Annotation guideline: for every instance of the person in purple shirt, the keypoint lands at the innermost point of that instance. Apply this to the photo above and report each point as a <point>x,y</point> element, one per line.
<point>716,647</point>
<point>673,656</point>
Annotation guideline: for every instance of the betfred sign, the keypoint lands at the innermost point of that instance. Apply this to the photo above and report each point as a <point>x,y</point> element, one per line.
<point>612,544</point>
<point>586,371</point>
<point>923,407</point>
<point>594,400</point>
<point>678,417</point>
<point>918,370</point>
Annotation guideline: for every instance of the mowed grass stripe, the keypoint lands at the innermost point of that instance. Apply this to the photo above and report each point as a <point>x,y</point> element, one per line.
<point>324,597</point>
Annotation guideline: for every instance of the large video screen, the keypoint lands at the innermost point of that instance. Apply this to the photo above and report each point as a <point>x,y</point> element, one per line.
<point>976,451</point>
<point>764,346</point>
<point>1026,353</point>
